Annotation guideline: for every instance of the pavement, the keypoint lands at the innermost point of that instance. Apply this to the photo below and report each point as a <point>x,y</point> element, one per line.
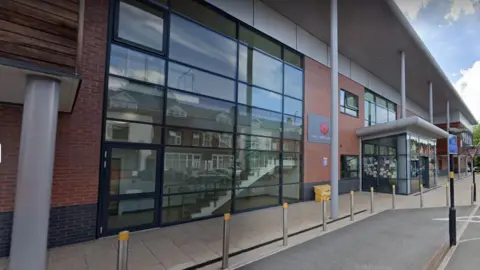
<point>393,239</point>
<point>190,244</point>
<point>467,253</point>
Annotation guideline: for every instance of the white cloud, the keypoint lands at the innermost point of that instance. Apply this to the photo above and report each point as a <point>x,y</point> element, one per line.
<point>468,86</point>
<point>461,7</point>
<point>411,8</point>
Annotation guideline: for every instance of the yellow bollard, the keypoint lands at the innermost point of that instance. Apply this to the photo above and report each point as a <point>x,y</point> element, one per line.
<point>122,257</point>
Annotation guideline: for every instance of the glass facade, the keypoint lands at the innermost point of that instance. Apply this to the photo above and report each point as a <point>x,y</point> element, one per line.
<point>404,160</point>
<point>378,110</point>
<point>203,116</point>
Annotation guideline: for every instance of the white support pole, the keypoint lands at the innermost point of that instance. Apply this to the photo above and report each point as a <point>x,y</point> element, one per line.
<point>403,85</point>
<point>430,101</point>
<point>334,108</point>
<point>28,249</point>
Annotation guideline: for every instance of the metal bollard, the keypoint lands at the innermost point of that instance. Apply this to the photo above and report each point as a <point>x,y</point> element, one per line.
<point>472,195</point>
<point>351,205</point>
<point>393,196</point>
<point>324,214</point>
<point>421,195</point>
<point>122,257</point>
<point>446,195</point>
<point>371,200</point>
<point>285,225</point>
<point>226,240</point>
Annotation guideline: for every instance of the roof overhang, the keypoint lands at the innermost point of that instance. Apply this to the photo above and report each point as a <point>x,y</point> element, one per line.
<point>372,33</point>
<point>13,78</point>
<point>413,124</point>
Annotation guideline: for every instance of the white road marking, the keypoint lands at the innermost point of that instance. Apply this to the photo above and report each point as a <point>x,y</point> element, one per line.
<point>469,239</point>
<point>450,253</point>
<point>462,219</point>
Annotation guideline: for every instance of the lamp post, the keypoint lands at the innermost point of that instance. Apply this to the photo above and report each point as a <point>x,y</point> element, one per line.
<point>472,151</point>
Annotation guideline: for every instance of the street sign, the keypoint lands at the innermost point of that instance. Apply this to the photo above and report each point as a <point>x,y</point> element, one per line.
<point>452,144</point>
<point>472,152</point>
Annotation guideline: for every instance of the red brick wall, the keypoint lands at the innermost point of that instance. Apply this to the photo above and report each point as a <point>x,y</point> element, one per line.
<point>10,121</point>
<point>76,171</point>
<point>317,101</point>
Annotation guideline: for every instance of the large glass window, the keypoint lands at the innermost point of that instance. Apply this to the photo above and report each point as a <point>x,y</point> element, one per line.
<point>292,127</point>
<point>185,110</point>
<point>260,69</point>
<point>259,41</point>
<point>132,64</point>
<point>133,16</point>
<point>205,16</point>
<point>293,82</point>
<point>254,96</point>
<point>196,81</point>
<point>195,169</point>
<point>292,106</point>
<point>258,122</point>
<point>200,47</point>
<point>378,110</point>
<point>261,168</point>
<point>203,120</point>
<point>133,101</point>
<point>123,131</point>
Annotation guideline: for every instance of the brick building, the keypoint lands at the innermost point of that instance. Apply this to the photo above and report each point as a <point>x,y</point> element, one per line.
<point>124,114</point>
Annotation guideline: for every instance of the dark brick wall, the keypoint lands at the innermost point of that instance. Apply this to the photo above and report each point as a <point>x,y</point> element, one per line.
<point>6,219</point>
<point>68,225</point>
<point>72,224</point>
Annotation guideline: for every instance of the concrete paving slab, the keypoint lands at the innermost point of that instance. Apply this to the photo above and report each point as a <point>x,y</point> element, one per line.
<point>394,239</point>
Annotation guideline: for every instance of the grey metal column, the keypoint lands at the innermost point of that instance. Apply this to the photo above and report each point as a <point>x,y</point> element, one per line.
<point>34,179</point>
<point>448,130</point>
<point>430,101</point>
<point>403,85</point>
<point>334,108</point>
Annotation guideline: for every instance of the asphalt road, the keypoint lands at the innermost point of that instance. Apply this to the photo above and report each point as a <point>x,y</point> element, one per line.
<point>467,254</point>
<point>394,239</point>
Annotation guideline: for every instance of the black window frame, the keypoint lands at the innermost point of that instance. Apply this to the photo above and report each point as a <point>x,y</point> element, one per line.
<point>142,4</point>
<point>166,10</point>
<point>369,121</point>
<point>345,105</point>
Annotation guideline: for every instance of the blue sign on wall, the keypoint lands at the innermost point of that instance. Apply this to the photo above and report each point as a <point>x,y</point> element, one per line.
<point>452,144</point>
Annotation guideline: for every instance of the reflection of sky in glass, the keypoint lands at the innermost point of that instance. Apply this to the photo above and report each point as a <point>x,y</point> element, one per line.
<point>259,98</point>
<point>266,72</point>
<point>258,113</point>
<point>140,27</point>
<point>293,82</point>
<point>118,84</point>
<point>382,115</point>
<point>292,106</point>
<point>195,45</point>
<point>133,64</point>
<point>199,102</point>
<point>196,81</point>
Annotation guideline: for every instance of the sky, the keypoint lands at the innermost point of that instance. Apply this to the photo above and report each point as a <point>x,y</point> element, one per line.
<point>451,31</point>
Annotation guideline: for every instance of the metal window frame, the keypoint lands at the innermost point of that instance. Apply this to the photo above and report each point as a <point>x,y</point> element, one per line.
<point>346,106</point>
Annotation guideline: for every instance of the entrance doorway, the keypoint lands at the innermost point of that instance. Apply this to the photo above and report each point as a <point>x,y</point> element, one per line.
<point>129,188</point>
<point>419,173</point>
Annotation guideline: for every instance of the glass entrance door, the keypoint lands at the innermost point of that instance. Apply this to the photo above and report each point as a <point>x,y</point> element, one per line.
<point>129,188</point>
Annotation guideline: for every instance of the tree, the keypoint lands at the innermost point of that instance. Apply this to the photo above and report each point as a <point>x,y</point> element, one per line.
<point>476,140</point>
